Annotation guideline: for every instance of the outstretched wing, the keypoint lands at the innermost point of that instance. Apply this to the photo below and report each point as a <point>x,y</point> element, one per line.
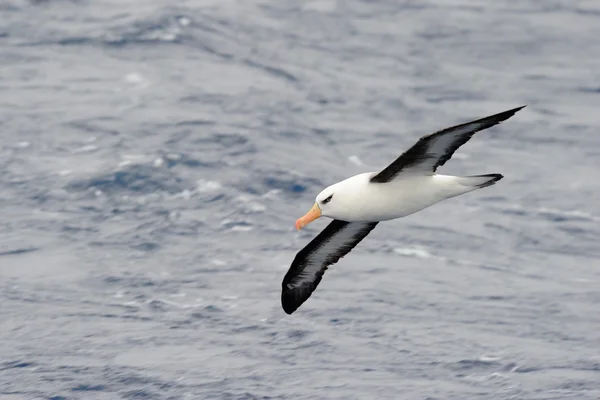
<point>432,151</point>
<point>307,269</point>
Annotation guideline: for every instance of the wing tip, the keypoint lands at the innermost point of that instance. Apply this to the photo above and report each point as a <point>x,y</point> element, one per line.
<point>289,311</point>
<point>289,303</point>
<point>491,179</point>
<point>503,116</point>
<point>515,110</point>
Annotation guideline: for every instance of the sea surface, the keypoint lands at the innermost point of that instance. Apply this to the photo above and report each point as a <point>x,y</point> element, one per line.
<point>154,156</point>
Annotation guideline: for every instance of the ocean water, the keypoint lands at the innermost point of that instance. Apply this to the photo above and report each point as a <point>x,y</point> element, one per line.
<point>154,157</point>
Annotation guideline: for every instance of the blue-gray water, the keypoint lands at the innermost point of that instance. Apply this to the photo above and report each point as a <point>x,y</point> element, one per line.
<point>154,158</point>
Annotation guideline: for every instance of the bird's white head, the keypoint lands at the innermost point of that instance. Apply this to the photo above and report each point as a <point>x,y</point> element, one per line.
<point>334,202</point>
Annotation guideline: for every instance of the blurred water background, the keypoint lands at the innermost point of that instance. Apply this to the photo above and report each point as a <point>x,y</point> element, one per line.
<point>155,155</point>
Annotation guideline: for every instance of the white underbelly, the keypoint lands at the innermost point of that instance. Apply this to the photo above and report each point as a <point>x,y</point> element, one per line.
<point>396,199</point>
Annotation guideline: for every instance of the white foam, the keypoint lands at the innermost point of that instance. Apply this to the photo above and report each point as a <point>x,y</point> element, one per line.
<point>184,21</point>
<point>185,194</point>
<point>167,36</point>
<point>86,149</point>
<point>134,78</point>
<point>489,357</point>
<point>204,186</point>
<point>251,205</point>
<point>257,207</point>
<point>244,198</point>
<point>241,228</point>
<point>272,194</point>
<point>355,160</point>
<point>412,252</point>
<point>22,145</point>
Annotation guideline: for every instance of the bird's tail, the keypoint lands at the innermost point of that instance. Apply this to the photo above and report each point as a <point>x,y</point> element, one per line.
<point>479,181</point>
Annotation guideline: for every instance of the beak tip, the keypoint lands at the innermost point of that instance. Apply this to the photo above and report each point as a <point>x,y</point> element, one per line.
<point>314,213</point>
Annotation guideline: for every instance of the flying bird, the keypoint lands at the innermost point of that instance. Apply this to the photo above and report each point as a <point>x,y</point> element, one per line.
<point>359,203</point>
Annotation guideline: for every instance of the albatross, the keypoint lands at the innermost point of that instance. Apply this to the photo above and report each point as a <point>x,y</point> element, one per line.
<point>359,203</point>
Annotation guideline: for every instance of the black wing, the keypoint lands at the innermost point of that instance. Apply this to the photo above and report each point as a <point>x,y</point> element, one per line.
<point>334,242</point>
<point>432,151</point>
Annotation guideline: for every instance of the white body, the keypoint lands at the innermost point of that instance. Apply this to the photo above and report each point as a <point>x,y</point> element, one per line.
<point>356,199</point>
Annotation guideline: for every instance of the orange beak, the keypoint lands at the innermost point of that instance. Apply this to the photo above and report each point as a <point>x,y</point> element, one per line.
<point>314,213</point>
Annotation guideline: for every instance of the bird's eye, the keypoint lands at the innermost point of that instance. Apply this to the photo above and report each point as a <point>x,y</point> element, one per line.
<point>327,200</point>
